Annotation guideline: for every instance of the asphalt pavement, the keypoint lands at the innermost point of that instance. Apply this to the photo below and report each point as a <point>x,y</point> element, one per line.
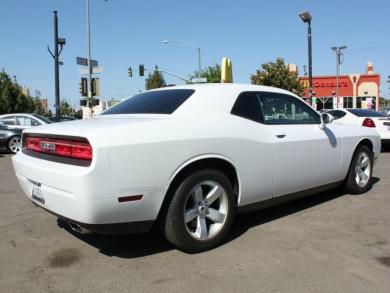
<point>330,242</point>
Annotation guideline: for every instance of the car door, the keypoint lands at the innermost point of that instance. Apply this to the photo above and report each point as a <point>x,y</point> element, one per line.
<point>305,156</point>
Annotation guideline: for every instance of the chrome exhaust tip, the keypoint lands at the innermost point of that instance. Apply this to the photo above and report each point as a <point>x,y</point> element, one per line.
<point>77,228</point>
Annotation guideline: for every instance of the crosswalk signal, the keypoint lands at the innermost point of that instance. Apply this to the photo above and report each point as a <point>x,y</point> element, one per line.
<point>84,87</point>
<point>141,70</point>
<point>130,72</point>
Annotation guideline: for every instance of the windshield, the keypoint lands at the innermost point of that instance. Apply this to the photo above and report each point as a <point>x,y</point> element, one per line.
<point>366,113</point>
<point>43,118</point>
<point>153,102</point>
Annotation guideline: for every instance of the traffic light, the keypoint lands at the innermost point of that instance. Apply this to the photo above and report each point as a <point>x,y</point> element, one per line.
<point>95,85</point>
<point>84,87</point>
<point>84,103</point>
<point>141,70</point>
<point>130,72</point>
<point>95,102</point>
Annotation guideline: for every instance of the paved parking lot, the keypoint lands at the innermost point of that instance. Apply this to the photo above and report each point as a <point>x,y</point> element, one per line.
<point>331,242</point>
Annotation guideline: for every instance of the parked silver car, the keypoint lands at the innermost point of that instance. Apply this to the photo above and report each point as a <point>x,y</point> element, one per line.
<point>23,120</point>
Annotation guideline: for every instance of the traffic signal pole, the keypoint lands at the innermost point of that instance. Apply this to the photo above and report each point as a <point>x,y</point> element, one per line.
<point>58,42</point>
<point>90,95</point>
<point>56,66</point>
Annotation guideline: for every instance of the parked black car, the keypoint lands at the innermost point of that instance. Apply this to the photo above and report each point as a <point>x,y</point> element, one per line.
<point>10,138</point>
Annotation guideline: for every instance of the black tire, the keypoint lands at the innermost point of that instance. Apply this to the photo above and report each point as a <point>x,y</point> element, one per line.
<point>175,228</point>
<point>10,144</point>
<point>351,184</point>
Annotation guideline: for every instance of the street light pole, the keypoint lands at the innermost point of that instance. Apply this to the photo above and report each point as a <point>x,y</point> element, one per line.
<point>193,46</point>
<point>338,52</point>
<point>306,18</point>
<point>310,62</point>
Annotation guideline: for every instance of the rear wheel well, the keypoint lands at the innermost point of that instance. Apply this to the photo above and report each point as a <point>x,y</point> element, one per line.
<point>210,163</point>
<point>367,143</point>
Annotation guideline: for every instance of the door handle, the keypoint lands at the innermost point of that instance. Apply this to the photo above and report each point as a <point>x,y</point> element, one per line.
<point>280,135</point>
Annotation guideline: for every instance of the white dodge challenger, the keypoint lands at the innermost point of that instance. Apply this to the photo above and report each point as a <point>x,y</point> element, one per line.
<point>189,158</point>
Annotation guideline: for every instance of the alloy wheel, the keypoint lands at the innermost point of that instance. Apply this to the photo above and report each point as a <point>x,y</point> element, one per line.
<point>14,144</point>
<point>363,169</point>
<point>206,210</point>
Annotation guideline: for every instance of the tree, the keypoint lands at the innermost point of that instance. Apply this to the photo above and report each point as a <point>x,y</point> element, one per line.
<point>155,80</point>
<point>5,93</point>
<point>38,104</point>
<point>278,75</point>
<point>212,73</point>
<point>12,100</point>
<point>65,108</point>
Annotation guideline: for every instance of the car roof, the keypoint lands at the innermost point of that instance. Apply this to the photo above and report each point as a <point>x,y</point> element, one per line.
<point>217,97</point>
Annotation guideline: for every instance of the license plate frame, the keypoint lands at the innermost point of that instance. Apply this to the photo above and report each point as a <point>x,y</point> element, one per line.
<point>36,192</point>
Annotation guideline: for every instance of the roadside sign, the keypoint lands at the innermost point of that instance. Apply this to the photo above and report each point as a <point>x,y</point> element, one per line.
<point>84,62</point>
<point>199,80</point>
<point>95,70</point>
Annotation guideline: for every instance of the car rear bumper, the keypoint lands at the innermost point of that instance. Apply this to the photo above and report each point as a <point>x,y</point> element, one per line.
<point>86,196</point>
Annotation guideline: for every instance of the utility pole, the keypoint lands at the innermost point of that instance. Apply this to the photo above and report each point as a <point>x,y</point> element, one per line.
<point>57,42</point>
<point>338,51</point>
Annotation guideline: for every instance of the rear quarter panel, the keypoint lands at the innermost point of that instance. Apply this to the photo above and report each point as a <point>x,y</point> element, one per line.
<point>149,155</point>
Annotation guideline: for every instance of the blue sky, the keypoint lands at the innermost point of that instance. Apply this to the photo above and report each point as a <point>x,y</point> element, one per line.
<point>127,33</point>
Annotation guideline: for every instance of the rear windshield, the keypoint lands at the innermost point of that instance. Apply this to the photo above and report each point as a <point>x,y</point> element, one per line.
<point>366,113</point>
<point>153,102</point>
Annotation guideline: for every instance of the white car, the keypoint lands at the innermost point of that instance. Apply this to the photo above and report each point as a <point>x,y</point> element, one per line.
<point>189,158</point>
<point>367,118</point>
<point>23,120</point>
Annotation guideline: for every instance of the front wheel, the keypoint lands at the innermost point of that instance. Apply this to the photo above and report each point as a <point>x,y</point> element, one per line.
<point>359,175</point>
<point>14,144</point>
<point>201,211</point>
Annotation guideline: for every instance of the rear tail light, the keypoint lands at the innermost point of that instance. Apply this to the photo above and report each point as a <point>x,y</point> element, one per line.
<point>67,148</point>
<point>368,123</point>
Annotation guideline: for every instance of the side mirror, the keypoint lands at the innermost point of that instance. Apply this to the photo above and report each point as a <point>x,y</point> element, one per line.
<point>326,118</point>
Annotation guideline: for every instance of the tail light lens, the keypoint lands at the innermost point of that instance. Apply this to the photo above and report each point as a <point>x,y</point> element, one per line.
<point>368,123</point>
<point>74,149</point>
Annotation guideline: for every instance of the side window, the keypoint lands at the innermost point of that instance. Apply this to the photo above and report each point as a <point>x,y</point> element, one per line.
<point>26,121</point>
<point>10,120</point>
<point>22,121</point>
<point>35,122</point>
<point>337,114</point>
<point>284,109</point>
<point>247,106</point>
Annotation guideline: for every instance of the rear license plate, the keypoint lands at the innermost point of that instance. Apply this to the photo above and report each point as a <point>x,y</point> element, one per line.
<point>37,192</point>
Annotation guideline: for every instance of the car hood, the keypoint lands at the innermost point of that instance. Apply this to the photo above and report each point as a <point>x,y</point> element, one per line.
<point>88,127</point>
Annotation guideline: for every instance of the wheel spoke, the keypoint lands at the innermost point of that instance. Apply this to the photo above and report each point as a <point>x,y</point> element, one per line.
<point>214,194</point>
<point>201,228</point>
<point>363,176</point>
<point>364,163</point>
<point>198,195</point>
<point>190,215</point>
<point>215,215</point>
